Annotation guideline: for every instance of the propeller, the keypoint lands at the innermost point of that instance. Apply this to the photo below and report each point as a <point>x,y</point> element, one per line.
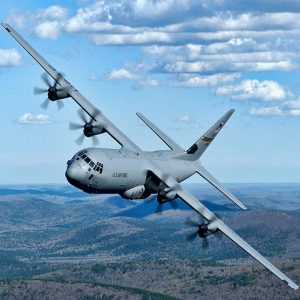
<point>202,230</point>
<point>160,205</point>
<point>87,128</point>
<point>53,91</point>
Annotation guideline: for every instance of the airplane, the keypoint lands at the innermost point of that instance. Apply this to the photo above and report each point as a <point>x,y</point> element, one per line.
<point>136,174</point>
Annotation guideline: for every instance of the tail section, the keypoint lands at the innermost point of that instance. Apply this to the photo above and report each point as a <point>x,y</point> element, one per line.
<point>213,181</point>
<point>198,148</point>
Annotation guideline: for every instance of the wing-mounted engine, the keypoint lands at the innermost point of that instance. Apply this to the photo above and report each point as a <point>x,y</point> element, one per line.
<point>54,91</point>
<point>166,195</point>
<point>90,128</point>
<point>204,228</point>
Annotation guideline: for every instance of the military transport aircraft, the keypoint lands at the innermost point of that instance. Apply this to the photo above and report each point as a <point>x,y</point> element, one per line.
<point>134,173</point>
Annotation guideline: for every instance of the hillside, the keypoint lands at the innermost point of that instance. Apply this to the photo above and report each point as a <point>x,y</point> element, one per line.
<point>57,240</point>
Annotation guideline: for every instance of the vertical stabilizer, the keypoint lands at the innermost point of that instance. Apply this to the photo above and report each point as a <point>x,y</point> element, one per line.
<point>198,148</point>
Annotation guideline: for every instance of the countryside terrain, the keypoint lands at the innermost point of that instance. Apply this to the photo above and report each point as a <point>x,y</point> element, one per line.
<point>59,243</point>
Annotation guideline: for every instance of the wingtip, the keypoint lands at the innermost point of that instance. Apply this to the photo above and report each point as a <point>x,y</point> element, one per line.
<point>139,115</point>
<point>6,26</point>
<point>293,285</point>
<point>240,205</point>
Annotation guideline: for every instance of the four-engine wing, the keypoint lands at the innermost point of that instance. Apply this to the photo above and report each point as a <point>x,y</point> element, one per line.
<point>217,224</point>
<point>91,110</point>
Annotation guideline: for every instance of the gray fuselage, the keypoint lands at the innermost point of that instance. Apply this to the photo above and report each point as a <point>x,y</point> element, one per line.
<point>113,171</point>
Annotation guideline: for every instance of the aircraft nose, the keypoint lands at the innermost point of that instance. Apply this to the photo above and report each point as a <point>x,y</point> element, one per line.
<point>74,173</point>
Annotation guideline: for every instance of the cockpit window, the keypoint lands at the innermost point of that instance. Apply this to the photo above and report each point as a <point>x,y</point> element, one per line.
<point>87,160</point>
<point>98,167</point>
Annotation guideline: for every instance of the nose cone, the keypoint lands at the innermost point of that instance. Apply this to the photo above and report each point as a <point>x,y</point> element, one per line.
<point>74,174</point>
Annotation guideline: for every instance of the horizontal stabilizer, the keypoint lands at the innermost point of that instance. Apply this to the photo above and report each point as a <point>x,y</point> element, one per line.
<point>213,181</point>
<point>165,138</point>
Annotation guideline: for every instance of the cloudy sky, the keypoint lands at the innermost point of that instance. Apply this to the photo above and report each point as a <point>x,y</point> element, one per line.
<point>182,63</point>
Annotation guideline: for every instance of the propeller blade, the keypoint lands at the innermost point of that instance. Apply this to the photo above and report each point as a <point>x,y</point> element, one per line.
<point>82,116</point>
<point>159,209</point>
<point>45,104</point>
<point>191,237</point>
<point>174,204</point>
<point>205,243</point>
<point>189,221</point>
<point>75,126</point>
<point>149,199</point>
<point>39,91</point>
<point>95,140</point>
<point>79,141</point>
<point>46,79</point>
<point>219,234</point>
<point>59,104</point>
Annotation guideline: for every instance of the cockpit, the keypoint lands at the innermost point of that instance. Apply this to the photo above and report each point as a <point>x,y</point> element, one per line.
<point>81,170</point>
<point>83,156</point>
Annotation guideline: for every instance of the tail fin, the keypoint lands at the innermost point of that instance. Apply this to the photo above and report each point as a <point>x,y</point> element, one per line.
<point>197,149</point>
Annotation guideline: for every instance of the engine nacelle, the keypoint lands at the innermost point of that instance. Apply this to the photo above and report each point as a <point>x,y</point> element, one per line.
<point>134,193</point>
<point>166,195</point>
<point>56,94</point>
<point>91,129</point>
<point>206,229</point>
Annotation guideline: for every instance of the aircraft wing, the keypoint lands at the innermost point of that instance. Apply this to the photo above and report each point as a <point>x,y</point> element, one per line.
<point>91,110</point>
<point>216,223</point>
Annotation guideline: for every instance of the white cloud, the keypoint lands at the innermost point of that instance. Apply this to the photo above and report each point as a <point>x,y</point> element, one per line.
<point>266,90</point>
<point>205,38</point>
<point>48,30</point>
<point>9,57</point>
<point>53,12</point>
<point>148,82</point>
<point>94,78</point>
<point>124,74</point>
<point>287,108</point>
<point>29,118</point>
<point>120,74</point>
<point>294,112</point>
<point>292,104</point>
<point>16,19</point>
<point>188,80</point>
<point>141,38</point>
<point>185,119</point>
<point>266,111</point>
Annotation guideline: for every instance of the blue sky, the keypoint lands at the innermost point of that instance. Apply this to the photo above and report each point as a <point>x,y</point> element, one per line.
<point>181,63</point>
